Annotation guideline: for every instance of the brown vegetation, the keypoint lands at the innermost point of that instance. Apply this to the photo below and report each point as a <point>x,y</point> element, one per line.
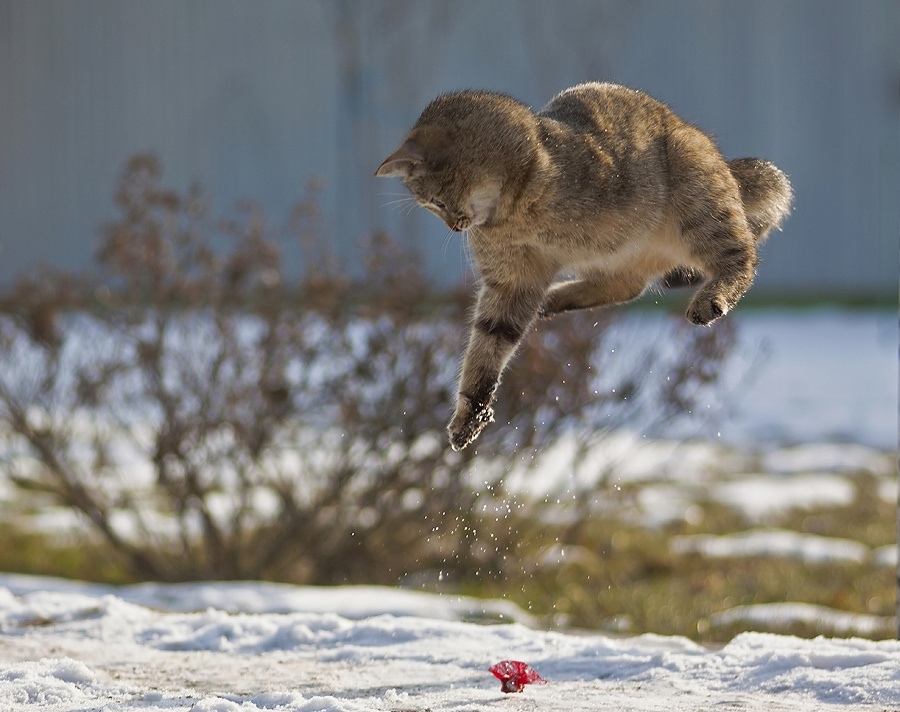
<point>208,415</point>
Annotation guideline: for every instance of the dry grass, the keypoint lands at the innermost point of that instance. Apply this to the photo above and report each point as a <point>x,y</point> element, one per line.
<point>619,576</point>
<point>603,573</point>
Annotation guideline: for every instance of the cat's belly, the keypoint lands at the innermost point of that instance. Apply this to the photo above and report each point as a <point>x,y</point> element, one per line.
<point>647,250</point>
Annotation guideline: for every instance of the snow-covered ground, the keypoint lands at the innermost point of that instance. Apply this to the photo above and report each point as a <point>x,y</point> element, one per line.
<point>266,647</point>
<point>820,403</point>
<point>816,376</point>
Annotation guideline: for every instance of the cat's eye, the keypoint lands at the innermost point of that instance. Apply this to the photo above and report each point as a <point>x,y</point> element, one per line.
<point>438,204</point>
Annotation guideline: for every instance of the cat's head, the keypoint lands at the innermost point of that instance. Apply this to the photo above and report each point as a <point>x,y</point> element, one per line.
<point>455,193</point>
<point>463,156</point>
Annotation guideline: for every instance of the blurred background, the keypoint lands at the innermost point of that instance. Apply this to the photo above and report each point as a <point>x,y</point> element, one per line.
<point>228,352</point>
<point>253,100</point>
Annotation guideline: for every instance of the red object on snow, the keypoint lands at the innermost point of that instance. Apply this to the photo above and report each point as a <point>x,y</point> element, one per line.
<point>514,675</point>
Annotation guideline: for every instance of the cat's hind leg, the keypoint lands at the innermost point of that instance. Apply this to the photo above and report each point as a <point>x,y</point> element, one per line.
<point>724,247</point>
<point>594,290</point>
<point>714,229</point>
<point>682,277</point>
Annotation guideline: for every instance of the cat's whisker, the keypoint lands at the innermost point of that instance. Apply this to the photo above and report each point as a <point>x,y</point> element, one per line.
<point>468,262</point>
<point>399,204</point>
<point>446,243</point>
<point>404,194</point>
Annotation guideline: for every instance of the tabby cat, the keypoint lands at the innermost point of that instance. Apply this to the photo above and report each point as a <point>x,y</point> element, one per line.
<point>604,185</point>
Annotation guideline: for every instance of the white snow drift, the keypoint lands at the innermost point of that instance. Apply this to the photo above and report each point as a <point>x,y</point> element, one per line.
<point>294,649</point>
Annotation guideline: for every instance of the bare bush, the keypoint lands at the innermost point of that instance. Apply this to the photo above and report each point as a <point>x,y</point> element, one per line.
<point>211,417</point>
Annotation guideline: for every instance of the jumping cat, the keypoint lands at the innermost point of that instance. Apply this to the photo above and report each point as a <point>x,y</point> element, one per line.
<point>604,185</point>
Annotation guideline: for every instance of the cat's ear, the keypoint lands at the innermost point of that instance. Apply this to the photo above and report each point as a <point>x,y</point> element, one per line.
<point>402,161</point>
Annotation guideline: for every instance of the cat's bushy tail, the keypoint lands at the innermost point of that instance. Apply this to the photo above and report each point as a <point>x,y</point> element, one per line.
<point>765,191</point>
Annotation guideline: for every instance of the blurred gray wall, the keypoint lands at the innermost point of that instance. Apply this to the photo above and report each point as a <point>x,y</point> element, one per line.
<point>252,99</point>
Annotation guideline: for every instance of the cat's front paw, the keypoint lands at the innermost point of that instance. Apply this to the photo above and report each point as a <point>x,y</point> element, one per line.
<point>468,421</point>
<point>705,310</point>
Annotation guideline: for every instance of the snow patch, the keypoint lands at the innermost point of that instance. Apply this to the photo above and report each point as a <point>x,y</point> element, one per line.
<point>770,615</point>
<point>809,548</point>
<point>886,556</point>
<point>830,457</point>
<point>759,496</point>
<point>65,684</point>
